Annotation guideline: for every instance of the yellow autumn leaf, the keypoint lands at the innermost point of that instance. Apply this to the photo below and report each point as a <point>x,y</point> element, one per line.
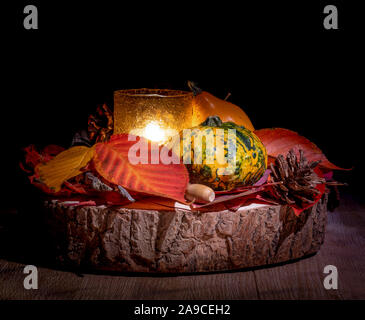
<point>64,166</point>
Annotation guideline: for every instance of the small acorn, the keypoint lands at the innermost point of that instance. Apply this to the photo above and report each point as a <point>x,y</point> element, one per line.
<point>199,193</point>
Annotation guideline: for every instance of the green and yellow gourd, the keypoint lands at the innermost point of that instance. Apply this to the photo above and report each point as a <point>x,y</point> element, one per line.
<point>251,157</point>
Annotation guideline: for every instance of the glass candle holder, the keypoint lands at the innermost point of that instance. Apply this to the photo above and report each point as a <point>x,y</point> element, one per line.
<point>155,114</point>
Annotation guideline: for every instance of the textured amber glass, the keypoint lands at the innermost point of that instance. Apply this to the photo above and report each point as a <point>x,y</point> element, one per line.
<point>138,109</point>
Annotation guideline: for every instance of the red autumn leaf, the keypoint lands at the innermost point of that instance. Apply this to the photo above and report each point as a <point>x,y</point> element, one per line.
<point>230,200</point>
<point>79,203</point>
<point>75,187</point>
<point>64,192</point>
<point>53,150</point>
<point>280,141</point>
<point>153,203</point>
<point>262,182</point>
<point>234,202</point>
<point>112,162</point>
<point>33,157</point>
<point>245,201</point>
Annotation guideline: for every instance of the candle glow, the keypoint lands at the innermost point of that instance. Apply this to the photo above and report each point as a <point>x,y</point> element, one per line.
<point>153,132</point>
<point>155,114</point>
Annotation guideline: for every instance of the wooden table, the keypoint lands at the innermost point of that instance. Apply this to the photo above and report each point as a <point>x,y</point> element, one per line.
<point>344,248</point>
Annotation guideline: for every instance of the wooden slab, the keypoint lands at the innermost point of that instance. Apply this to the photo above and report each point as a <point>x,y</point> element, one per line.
<point>130,240</point>
<point>303,279</point>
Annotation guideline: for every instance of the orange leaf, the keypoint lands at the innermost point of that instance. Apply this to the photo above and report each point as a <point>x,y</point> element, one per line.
<point>111,161</point>
<point>280,141</point>
<point>64,166</point>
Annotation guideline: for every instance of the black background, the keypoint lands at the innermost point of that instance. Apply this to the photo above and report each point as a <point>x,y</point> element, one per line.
<point>275,58</point>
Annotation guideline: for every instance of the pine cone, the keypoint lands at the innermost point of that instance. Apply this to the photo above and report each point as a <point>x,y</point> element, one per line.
<point>100,126</point>
<point>298,180</point>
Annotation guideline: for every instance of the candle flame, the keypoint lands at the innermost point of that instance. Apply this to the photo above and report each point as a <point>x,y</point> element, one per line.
<point>153,132</point>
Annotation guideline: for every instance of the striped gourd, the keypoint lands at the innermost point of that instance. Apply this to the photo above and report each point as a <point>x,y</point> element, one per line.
<point>251,157</point>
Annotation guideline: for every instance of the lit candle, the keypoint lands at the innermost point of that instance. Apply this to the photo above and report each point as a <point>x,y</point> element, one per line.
<point>156,114</point>
<point>153,132</point>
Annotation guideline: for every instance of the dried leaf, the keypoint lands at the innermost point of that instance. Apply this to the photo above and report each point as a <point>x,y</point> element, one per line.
<point>279,141</point>
<point>75,188</point>
<point>263,179</point>
<point>81,138</point>
<point>262,182</point>
<point>78,203</point>
<point>234,202</point>
<point>64,166</point>
<point>33,157</point>
<point>112,163</point>
<point>52,150</point>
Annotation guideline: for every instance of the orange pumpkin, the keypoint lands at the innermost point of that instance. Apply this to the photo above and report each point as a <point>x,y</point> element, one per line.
<point>205,105</point>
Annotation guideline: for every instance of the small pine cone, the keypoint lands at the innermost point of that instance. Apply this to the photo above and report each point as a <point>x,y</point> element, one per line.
<point>297,180</point>
<point>100,125</point>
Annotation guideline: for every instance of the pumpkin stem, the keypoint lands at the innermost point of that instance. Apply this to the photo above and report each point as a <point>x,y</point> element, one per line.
<point>193,87</point>
<point>212,121</point>
<point>227,96</point>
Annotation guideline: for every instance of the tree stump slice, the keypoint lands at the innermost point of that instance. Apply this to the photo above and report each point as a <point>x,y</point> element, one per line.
<point>131,240</point>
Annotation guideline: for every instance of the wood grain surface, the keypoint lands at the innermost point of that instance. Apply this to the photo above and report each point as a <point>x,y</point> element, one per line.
<point>343,247</point>
<point>178,241</point>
